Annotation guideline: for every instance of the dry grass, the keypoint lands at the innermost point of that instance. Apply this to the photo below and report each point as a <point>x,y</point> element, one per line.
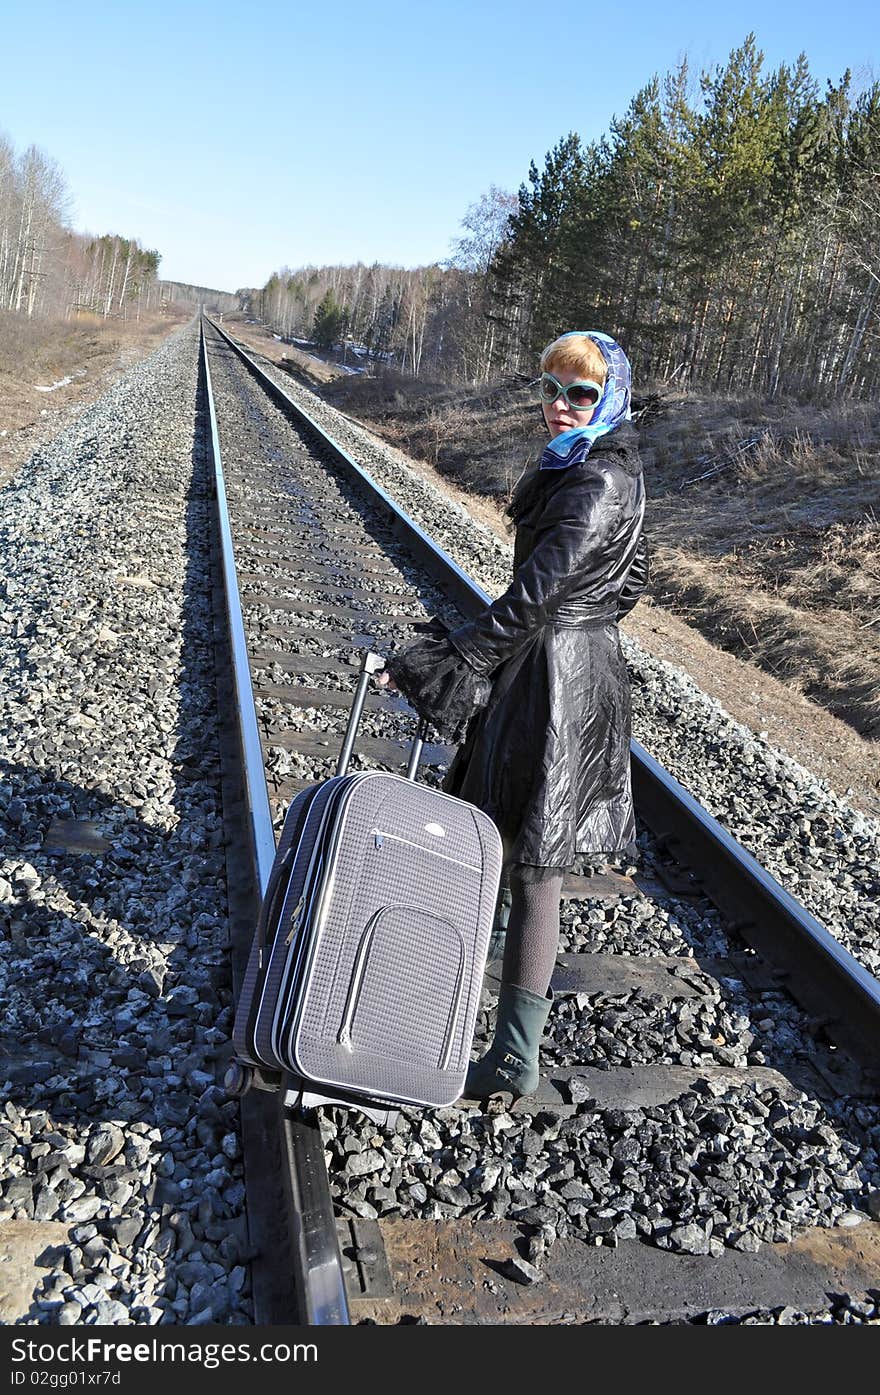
<point>776,556</point>
<point>36,346</point>
<point>46,350</point>
<point>796,631</point>
<point>305,367</point>
<point>37,354</point>
<point>763,517</point>
<point>481,438</point>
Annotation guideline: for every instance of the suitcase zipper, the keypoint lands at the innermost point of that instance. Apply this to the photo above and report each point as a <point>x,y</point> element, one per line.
<point>450,1025</point>
<point>294,918</point>
<point>379,836</point>
<point>344,1033</point>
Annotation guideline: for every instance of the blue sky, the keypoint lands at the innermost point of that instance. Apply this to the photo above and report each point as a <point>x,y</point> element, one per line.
<point>236,139</point>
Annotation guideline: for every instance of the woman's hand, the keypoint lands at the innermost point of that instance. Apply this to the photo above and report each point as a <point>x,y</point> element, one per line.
<point>384,679</point>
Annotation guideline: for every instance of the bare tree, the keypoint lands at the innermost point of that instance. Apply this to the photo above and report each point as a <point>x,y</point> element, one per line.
<point>486,224</point>
<point>42,211</point>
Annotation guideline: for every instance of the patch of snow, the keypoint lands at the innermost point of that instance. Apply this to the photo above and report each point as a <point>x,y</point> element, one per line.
<point>62,382</point>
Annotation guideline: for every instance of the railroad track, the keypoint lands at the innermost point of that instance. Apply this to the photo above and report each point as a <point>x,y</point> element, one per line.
<point>703,1144</point>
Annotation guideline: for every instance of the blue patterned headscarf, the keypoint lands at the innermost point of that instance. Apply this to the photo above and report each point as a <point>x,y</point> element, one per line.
<point>613,407</point>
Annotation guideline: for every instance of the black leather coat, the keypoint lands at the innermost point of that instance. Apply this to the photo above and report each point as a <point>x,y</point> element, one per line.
<point>546,754</point>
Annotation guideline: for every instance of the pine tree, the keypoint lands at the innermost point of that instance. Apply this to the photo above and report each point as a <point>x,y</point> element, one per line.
<point>328,323</point>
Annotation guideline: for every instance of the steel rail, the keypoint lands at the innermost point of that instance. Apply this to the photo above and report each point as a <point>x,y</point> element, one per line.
<point>465,592</point>
<point>820,972</point>
<point>256,792</point>
<point>318,1276</point>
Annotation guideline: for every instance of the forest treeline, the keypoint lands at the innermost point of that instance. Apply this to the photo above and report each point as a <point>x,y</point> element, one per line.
<point>430,319</point>
<point>47,269</point>
<point>724,229</point>
<point>183,293</point>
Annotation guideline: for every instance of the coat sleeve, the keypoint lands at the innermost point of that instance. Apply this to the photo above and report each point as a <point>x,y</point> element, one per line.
<point>578,520</point>
<point>637,579</point>
<point>440,684</point>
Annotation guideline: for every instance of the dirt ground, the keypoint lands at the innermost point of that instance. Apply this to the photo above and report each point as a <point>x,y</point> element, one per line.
<point>774,706</point>
<point>36,356</point>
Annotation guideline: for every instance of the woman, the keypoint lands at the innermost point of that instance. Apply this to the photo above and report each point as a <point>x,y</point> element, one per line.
<point>539,681</point>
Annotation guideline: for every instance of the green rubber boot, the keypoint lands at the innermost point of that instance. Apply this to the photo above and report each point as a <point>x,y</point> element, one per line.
<point>510,1066</point>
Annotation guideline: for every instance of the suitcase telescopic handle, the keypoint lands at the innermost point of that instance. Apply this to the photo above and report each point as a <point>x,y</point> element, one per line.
<point>370,664</point>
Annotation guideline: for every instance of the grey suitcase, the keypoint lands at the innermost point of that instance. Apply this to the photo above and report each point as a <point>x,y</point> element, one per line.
<point>365,974</point>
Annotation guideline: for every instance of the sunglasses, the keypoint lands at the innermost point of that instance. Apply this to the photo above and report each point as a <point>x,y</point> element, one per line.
<point>581,396</point>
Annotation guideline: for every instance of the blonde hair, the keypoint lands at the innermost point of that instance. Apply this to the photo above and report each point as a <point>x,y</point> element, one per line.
<point>575,353</point>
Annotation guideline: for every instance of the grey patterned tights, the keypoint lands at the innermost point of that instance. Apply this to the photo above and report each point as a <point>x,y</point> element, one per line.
<point>532,932</point>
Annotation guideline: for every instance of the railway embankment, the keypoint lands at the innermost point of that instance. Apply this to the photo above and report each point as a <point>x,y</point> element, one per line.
<point>121,1198</point>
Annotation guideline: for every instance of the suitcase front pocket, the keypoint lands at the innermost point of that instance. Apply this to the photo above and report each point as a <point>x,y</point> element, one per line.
<point>405,989</point>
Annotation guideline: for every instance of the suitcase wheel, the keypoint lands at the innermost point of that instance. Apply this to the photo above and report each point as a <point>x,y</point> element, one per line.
<point>238,1079</point>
